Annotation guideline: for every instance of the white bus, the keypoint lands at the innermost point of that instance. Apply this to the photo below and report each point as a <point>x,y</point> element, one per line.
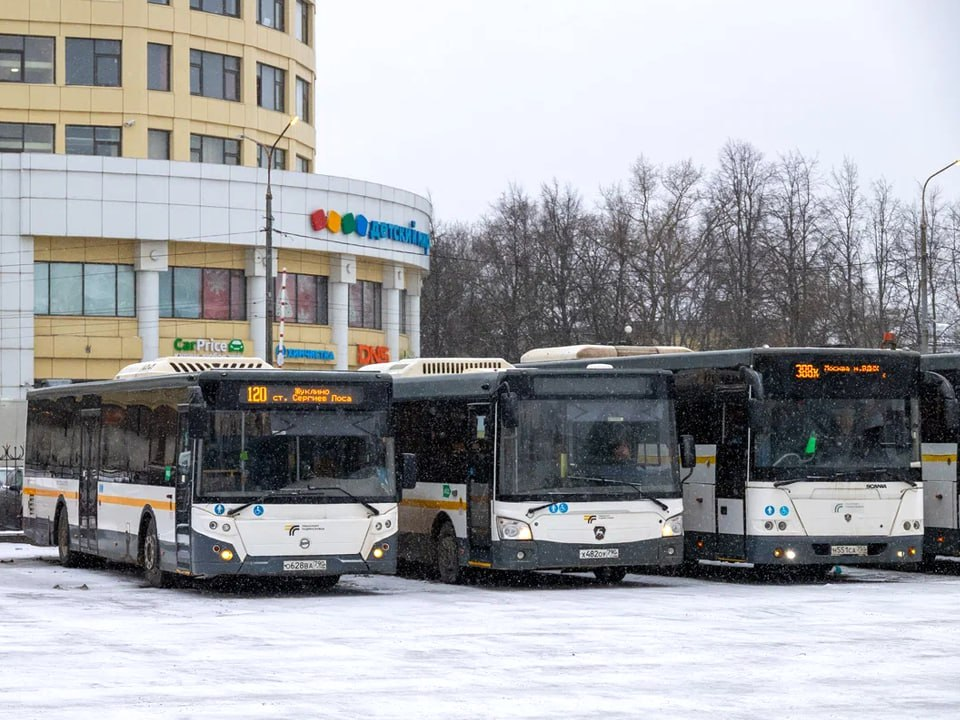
<point>207,468</point>
<point>807,457</point>
<point>519,470</point>
<point>939,431</point>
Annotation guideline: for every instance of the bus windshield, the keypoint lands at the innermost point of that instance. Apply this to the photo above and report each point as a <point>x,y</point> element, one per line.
<point>851,434</point>
<point>255,452</point>
<point>590,447</point>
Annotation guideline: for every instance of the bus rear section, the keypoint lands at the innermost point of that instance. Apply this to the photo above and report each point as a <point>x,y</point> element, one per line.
<point>807,457</point>
<point>539,470</point>
<point>208,474</point>
<point>940,434</point>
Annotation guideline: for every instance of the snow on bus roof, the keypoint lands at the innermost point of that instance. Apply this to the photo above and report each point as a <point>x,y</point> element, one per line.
<point>585,352</point>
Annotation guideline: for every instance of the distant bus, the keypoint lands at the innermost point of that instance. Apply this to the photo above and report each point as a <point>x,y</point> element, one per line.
<point>939,431</point>
<point>207,468</point>
<point>807,457</point>
<point>574,470</point>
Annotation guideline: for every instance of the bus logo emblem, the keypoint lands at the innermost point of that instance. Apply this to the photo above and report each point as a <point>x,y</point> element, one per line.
<point>291,529</point>
<point>599,532</point>
<point>590,518</point>
<point>304,543</point>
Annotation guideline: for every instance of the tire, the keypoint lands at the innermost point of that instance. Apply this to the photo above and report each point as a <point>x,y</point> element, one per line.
<point>325,582</point>
<point>151,557</point>
<point>68,556</point>
<point>447,556</point>
<point>610,575</point>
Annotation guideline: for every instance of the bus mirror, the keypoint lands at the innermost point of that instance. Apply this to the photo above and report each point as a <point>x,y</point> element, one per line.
<point>197,421</point>
<point>754,381</point>
<point>688,451</point>
<point>508,409</point>
<point>408,471</point>
<point>759,413</point>
<point>951,415</point>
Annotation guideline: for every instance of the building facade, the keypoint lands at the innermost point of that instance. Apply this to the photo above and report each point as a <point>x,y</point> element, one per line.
<point>139,140</point>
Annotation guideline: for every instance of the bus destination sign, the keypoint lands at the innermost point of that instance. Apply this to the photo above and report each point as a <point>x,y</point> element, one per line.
<point>821,370</point>
<point>299,395</point>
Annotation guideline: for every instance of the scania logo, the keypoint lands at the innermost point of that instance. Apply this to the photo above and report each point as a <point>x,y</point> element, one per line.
<point>876,486</point>
<point>304,543</point>
<point>599,532</point>
<point>291,529</point>
<point>590,518</point>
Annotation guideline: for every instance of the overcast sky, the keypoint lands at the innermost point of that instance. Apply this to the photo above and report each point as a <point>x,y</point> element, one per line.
<point>456,99</point>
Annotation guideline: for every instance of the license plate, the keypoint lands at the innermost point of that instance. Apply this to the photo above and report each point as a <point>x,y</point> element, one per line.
<point>848,549</point>
<point>599,553</point>
<point>295,565</point>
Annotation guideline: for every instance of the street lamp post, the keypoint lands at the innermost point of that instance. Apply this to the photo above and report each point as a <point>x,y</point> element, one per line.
<point>924,329</point>
<point>268,250</point>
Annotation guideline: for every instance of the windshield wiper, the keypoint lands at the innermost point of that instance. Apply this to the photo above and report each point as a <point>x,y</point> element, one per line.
<point>349,494</point>
<point>531,511</point>
<point>846,474</point>
<point>642,493</point>
<point>260,499</point>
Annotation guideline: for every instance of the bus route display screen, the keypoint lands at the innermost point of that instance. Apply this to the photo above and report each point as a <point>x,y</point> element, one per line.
<point>810,376</point>
<point>289,394</point>
<point>814,371</point>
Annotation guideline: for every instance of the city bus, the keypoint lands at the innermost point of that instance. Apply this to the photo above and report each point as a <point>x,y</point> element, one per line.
<point>939,432</point>
<point>575,470</point>
<point>808,458</point>
<point>206,468</point>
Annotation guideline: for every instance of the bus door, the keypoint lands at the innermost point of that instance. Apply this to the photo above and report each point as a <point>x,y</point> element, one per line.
<point>89,477</point>
<point>732,457</point>
<point>479,471</point>
<point>183,477</point>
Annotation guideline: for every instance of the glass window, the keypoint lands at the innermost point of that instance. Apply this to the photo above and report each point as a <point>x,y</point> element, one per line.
<point>218,7</point>
<point>270,13</point>
<point>279,157</point>
<point>271,87</point>
<point>364,306</point>
<point>206,148</point>
<point>208,293</point>
<point>302,21</point>
<point>403,311</point>
<point>303,164</point>
<point>41,288</point>
<point>214,75</point>
<point>26,58</point>
<point>26,137</point>
<point>304,105</point>
<point>158,66</point>
<point>306,299</point>
<point>93,140</point>
<point>158,144</point>
<point>97,289</point>
<point>93,62</point>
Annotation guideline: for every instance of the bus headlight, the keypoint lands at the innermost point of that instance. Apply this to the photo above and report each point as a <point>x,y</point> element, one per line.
<point>510,529</point>
<point>672,526</point>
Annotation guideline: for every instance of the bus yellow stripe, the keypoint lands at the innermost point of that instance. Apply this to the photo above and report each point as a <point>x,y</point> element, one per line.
<point>947,458</point>
<point>434,504</point>
<point>44,492</point>
<point>706,459</point>
<point>135,502</point>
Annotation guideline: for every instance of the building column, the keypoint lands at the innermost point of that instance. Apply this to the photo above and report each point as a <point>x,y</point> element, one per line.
<point>16,333</point>
<point>343,274</point>
<point>255,270</point>
<point>393,282</point>
<point>414,286</point>
<point>151,259</point>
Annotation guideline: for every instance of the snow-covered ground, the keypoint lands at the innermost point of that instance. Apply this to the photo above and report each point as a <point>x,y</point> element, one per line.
<point>99,643</point>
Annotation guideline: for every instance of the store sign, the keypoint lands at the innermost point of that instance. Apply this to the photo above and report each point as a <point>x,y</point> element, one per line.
<point>367,354</point>
<point>350,224</point>
<point>208,346</point>
<point>305,354</point>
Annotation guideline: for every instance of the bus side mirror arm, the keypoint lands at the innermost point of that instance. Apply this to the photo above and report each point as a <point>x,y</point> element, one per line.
<point>408,471</point>
<point>688,453</point>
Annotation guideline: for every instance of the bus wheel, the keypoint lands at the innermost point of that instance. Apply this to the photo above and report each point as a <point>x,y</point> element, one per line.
<point>610,575</point>
<point>68,557</point>
<point>151,557</point>
<point>447,555</point>
<point>324,582</point>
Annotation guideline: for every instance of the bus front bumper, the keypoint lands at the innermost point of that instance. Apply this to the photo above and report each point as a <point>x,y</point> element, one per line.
<point>545,555</point>
<point>840,550</point>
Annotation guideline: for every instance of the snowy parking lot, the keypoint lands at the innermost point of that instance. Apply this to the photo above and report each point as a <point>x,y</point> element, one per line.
<point>99,643</point>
